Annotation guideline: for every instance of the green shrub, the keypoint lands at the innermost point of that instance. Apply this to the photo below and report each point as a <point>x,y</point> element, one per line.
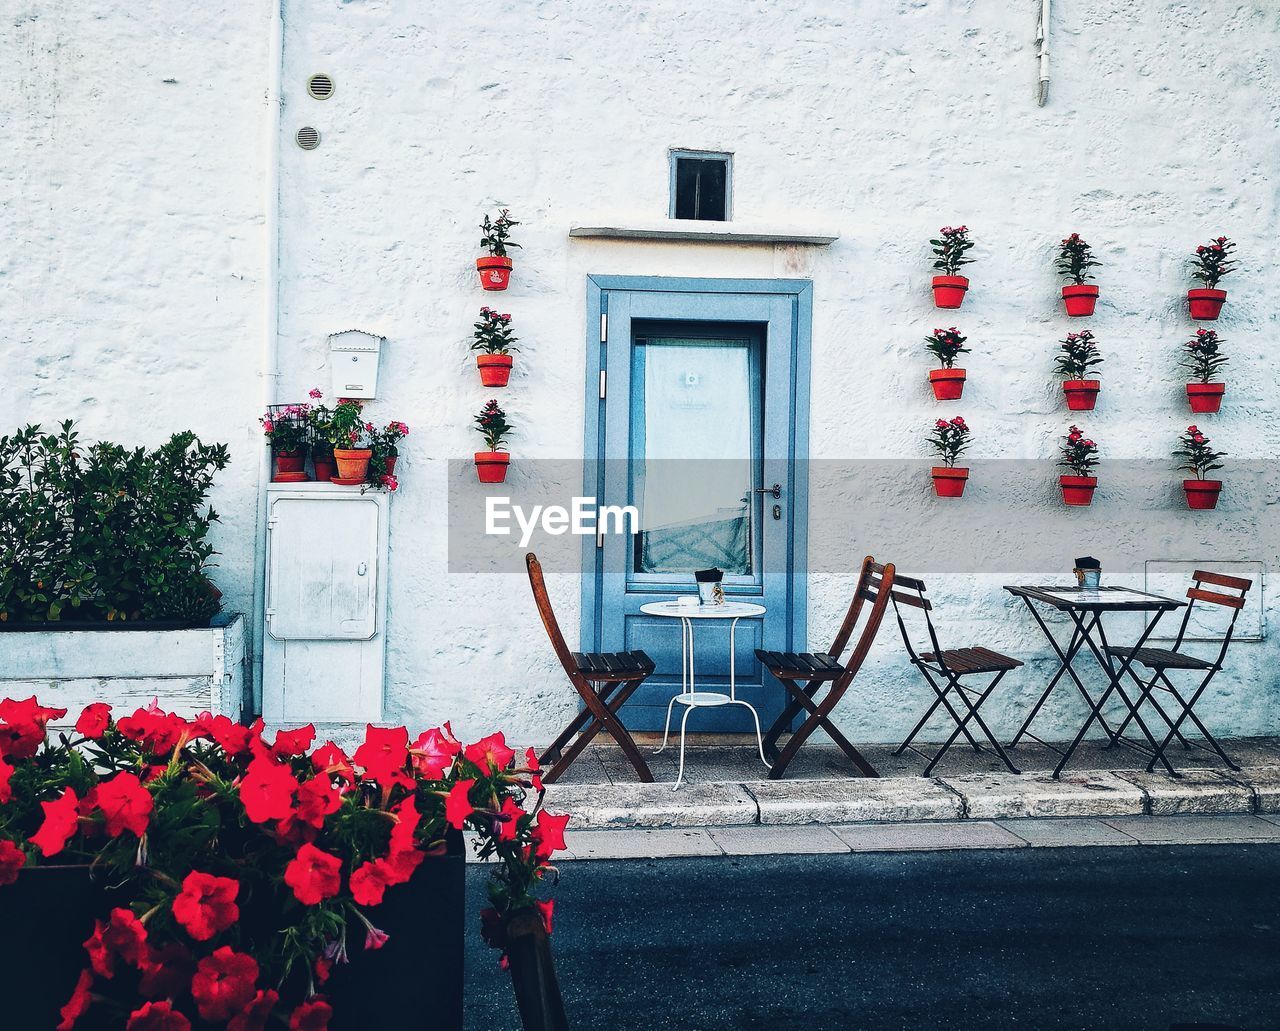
<point>101,532</point>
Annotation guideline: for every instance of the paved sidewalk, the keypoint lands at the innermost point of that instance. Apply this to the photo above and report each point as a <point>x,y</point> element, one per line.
<point>1104,798</point>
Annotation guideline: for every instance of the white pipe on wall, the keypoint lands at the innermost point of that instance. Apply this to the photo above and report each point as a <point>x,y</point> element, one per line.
<point>1042,38</point>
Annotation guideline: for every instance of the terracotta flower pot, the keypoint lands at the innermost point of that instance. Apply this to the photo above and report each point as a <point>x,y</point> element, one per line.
<point>1081,393</point>
<point>948,291</point>
<point>1202,493</point>
<point>326,469</point>
<point>1206,305</point>
<point>495,369</point>
<point>495,273</point>
<point>948,482</point>
<point>291,461</point>
<point>1079,299</point>
<point>353,463</point>
<point>390,463</point>
<point>1205,397</point>
<point>491,466</point>
<point>948,384</point>
<point>1078,490</point>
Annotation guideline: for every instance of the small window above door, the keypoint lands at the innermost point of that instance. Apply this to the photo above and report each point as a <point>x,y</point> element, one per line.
<point>701,185</point>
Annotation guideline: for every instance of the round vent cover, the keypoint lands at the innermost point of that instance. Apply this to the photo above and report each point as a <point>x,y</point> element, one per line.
<point>308,138</point>
<point>320,86</point>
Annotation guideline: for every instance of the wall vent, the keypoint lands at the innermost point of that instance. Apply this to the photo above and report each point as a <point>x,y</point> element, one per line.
<point>320,86</point>
<point>308,137</point>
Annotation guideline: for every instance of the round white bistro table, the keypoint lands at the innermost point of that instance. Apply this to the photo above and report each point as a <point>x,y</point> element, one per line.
<point>690,697</point>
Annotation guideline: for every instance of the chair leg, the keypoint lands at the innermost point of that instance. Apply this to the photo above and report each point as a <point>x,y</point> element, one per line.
<point>1187,707</point>
<point>789,712</point>
<point>818,718</point>
<point>940,699</point>
<point>575,725</point>
<point>976,716</point>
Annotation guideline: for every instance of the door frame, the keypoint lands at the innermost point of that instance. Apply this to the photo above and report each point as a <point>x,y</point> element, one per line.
<point>800,293</point>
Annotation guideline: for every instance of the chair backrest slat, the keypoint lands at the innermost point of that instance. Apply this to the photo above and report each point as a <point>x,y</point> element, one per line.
<point>917,600</point>
<point>879,603</point>
<point>909,582</point>
<point>1213,598</point>
<point>1236,583</point>
<point>540,599</point>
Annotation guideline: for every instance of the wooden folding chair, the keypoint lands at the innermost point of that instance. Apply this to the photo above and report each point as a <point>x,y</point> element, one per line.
<point>1161,660</point>
<point>604,680</point>
<point>951,667</point>
<point>803,674</point>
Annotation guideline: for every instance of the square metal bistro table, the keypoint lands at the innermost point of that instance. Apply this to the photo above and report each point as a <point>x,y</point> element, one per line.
<point>1086,608</point>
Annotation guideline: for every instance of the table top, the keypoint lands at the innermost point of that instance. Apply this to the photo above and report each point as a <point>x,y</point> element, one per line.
<point>729,610</point>
<point>1117,599</point>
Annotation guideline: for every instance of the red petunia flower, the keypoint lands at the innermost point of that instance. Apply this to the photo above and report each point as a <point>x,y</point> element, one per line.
<point>206,905</point>
<point>78,1005</point>
<point>224,984</point>
<point>22,726</point>
<point>314,875</point>
<point>255,1017</point>
<point>509,817</point>
<point>61,817</point>
<point>404,831</point>
<point>384,753</point>
<point>375,938</point>
<point>94,720</point>
<point>6,772</point>
<point>156,730</point>
<point>549,833</point>
<point>267,791</point>
<point>232,737</point>
<point>317,798</point>
<point>157,1016</point>
<point>294,742</point>
<point>12,859</point>
<point>534,767</point>
<point>125,803</point>
<point>123,937</point>
<point>434,751</point>
<point>369,882</point>
<point>457,807</point>
<point>312,1015</point>
<point>491,753</point>
<point>333,760</point>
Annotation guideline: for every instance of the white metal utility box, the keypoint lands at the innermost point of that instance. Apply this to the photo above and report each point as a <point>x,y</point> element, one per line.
<point>324,639</point>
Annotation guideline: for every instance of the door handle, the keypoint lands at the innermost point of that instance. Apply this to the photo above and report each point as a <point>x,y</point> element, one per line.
<point>775,491</point>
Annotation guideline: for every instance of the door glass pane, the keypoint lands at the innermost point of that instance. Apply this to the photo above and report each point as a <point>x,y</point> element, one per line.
<point>693,448</point>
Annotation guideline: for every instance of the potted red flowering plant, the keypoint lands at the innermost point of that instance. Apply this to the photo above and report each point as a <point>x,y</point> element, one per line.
<point>1199,458</point>
<point>1080,455</point>
<point>495,269</point>
<point>287,429</point>
<point>949,250</point>
<point>351,435</point>
<point>950,439</point>
<point>254,880</point>
<point>1204,359</point>
<point>1077,355</point>
<point>1075,258</point>
<point>946,345</point>
<point>494,340</point>
<point>1212,261</point>
<point>491,423</point>
<point>385,445</point>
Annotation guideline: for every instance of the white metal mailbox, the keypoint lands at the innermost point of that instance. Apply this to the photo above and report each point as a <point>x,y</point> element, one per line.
<point>323,649</point>
<point>353,360</point>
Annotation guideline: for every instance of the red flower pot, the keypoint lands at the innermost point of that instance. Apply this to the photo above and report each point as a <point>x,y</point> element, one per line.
<point>1206,304</point>
<point>495,369</point>
<point>1079,300</point>
<point>1078,490</point>
<point>495,273</point>
<point>1081,393</point>
<point>949,483</point>
<point>326,469</point>
<point>353,463</point>
<point>948,384</point>
<point>390,463</point>
<point>1202,493</point>
<point>1205,397</point>
<point>290,461</point>
<point>948,291</point>
<point>491,466</point>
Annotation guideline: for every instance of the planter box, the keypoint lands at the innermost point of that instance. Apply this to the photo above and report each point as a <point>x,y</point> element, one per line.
<point>189,671</point>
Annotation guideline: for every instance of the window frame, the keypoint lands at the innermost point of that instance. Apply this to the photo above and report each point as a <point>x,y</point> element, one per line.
<point>675,154</point>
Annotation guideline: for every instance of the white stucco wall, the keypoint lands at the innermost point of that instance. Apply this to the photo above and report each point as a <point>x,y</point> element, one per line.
<point>131,232</point>
<point>884,120</point>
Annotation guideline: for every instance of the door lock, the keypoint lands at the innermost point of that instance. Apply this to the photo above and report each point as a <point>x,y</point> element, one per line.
<point>774,491</point>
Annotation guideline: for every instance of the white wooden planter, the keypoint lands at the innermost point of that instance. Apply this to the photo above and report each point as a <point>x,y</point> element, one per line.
<point>188,671</point>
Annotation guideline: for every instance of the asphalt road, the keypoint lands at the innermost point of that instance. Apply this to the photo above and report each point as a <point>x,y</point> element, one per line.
<point>1150,937</point>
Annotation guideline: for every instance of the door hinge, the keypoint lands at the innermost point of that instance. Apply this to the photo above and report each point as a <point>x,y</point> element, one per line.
<point>604,327</point>
<point>604,379</point>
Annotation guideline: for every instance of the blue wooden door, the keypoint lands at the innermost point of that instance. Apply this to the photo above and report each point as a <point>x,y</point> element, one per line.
<point>702,412</point>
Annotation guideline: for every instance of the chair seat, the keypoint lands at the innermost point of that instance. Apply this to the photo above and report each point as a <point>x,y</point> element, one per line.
<point>807,666</point>
<point>613,665</point>
<point>1161,658</point>
<point>972,660</point>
